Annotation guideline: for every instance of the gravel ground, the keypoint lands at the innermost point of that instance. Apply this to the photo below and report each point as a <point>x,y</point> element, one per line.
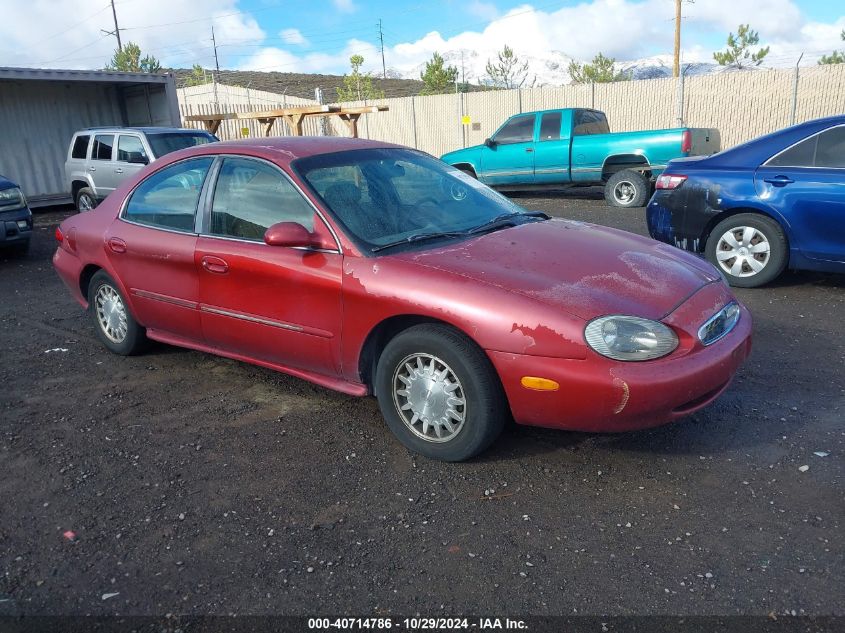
<point>199,485</point>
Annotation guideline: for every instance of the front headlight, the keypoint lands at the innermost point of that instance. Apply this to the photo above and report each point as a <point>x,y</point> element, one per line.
<point>629,338</point>
<point>11,199</point>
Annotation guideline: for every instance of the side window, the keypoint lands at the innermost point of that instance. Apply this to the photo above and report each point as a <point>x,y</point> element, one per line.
<point>518,130</point>
<point>130,149</point>
<point>800,155</point>
<point>830,151</point>
<point>550,126</point>
<point>102,147</point>
<point>80,146</point>
<point>587,122</point>
<point>251,196</point>
<point>168,198</point>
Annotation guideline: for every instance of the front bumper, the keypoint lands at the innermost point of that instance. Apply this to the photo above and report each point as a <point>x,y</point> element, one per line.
<point>15,226</point>
<point>601,395</point>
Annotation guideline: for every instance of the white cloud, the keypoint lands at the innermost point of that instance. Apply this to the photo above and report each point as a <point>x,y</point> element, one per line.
<point>66,33</point>
<point>344,6</point>
<point>483,10</point>
<point>293,36</point>
<point>280,60</point>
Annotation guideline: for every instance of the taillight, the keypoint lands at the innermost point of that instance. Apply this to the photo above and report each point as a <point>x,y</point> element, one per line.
<point>669,181</point>
<point>59,235</point>
<point>686,142</point>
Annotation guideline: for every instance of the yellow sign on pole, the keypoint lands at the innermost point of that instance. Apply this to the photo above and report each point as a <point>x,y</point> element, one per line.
<point>244,131</point>
<point>466,120</point>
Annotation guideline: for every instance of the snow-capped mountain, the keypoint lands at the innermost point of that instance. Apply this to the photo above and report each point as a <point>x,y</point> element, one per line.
<point>550,69</point>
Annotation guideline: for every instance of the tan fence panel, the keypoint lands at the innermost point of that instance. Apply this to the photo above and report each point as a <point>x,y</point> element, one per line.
<point>821,92</point>
<point>489,110</point>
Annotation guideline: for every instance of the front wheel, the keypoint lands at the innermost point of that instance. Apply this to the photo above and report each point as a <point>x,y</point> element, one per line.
<point>439,393</point>
<point>750,249</point>
<point>627,189</point>
<point>115,325</point>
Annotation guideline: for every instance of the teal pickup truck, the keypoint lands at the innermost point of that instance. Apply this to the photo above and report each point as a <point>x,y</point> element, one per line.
<point>574,146</point>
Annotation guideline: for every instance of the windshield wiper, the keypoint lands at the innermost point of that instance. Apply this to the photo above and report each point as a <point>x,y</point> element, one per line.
<point>506,219</point>
<point>417,237</point>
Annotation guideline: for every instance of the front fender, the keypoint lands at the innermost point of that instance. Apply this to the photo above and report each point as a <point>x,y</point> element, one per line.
<point>470,156</point>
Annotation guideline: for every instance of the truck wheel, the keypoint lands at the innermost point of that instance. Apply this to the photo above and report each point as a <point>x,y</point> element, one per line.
<point>85,200</point>
<point>626,189</point>
<point>750,249</point>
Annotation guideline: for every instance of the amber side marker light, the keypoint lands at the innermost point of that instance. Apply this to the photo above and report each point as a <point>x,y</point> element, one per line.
<point>539,384</point>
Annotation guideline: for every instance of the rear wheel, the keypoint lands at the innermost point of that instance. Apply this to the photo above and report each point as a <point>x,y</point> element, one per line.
<point>627,188</point>
<point>439,393</point>
<point>85,200</point>
<point>750,249</point>
<point>115,325</point>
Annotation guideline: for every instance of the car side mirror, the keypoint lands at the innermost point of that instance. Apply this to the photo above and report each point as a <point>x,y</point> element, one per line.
<point>288,234</point>
<point>137,158</point>
<point>489,142</point>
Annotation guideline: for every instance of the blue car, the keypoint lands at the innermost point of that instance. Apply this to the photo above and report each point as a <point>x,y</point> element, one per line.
<point>15,217</point>
<point>753,210</point>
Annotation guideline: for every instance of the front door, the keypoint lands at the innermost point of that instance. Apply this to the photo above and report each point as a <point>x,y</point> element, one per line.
<point>131,157</point>
<point>509,159</point>
<point>272,303</point>
<point>151,247</point>
<point>806,184</point>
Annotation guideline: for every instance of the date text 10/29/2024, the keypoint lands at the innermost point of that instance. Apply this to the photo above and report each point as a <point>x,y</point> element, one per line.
<point>416,624</point>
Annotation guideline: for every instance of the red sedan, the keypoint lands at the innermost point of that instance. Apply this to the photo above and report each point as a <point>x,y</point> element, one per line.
<point>371,268</point>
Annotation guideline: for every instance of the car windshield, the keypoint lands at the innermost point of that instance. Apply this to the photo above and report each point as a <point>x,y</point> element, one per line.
<point>388,197</point>
<point>165,142</point>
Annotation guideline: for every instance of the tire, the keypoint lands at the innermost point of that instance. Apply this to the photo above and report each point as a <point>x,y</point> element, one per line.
<point>627,189</point>
<point>478,405</point>
<point>116,327</point>
<point>85,200</point>
<point>748,268</point>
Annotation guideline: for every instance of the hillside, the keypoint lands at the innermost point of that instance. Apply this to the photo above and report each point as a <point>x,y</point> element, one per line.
<point>302,85</point>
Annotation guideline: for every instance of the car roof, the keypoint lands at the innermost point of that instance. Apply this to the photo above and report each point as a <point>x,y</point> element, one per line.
<point>283,149</point>
<point>145,130</point>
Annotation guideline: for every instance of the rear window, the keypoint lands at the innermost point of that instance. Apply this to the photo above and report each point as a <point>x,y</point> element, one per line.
<point>167,142</point>
<point>550,127</point>
<point>102,147</point>
<point>820,150</point>
<point>80,146</point>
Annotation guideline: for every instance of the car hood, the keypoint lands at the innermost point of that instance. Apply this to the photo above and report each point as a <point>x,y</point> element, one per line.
<point>5,183</point>
<point>583,269</point>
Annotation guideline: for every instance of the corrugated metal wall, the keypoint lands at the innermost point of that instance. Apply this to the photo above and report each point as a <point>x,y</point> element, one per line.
<point>38,119</point>
<point>742,105</point>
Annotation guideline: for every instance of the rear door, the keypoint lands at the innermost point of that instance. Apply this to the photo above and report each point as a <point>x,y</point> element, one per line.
<point>273,303</point>
<point>102,165</point>
<point>551,151</point>
<point>510,161</point>
<point>806,185</point>
<point>151,247</point>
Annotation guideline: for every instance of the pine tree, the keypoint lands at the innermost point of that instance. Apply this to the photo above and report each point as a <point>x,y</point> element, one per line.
<point>601,70</point>
<point>128,60</point>
<point>358,86</point>
<point>738,54</point>
<point>437,78</point>
<point>836,57</point>
<point>509,71</point>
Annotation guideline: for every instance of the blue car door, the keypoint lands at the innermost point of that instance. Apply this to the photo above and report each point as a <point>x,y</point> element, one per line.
<point>806,185</point>
<point>509,158</point>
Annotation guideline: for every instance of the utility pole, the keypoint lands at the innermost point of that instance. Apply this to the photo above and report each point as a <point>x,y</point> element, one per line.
<point>676,65</point>
<point>214,43</point>
<point>381,40</point>
<point>116,31</point>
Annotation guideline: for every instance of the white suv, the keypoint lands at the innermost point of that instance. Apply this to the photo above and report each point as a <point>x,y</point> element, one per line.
<point>99,159</point>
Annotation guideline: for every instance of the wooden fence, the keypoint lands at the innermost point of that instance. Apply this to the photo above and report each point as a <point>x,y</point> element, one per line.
<point>742,105</point>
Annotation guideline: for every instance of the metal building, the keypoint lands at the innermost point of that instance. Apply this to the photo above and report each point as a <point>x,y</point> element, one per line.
<point>40,109</point>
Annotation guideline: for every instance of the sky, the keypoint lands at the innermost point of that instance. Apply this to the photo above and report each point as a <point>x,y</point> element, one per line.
<point>320,35</point>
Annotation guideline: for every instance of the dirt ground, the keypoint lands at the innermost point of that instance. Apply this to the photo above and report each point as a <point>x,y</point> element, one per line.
<point>195,484</point>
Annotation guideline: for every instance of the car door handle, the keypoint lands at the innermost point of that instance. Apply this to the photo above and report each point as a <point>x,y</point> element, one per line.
<point>116,245</point>
<point>779,181</point>
<point>529,149</point>
<point>92,169</point>
<point>118,170</point>
<point>215,264</point>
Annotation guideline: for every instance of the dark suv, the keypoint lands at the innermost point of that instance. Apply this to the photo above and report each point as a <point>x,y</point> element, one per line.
<point>15,217</point>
